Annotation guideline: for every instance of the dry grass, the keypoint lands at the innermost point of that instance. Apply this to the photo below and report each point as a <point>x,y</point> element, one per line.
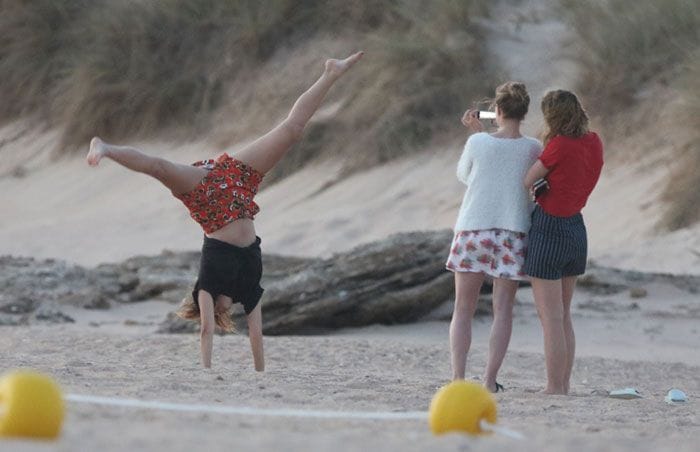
<point>134,68</point>
<point>682,194</point>
<point>34,38</point>
<point>424,65</point>
<point>147,65</point>
<point>122,69</point>
<point>624,49</point>
<point>624,45</point>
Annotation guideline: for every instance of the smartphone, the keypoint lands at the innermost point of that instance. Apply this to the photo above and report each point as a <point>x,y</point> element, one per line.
<point>539,187</point>
<point>486,114</point>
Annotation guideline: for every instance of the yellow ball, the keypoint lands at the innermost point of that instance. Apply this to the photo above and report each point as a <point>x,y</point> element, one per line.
<point>460,406</point>
<point>31,406</point>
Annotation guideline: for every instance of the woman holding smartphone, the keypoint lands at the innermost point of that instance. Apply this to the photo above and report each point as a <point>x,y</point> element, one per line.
<point>490,235</point>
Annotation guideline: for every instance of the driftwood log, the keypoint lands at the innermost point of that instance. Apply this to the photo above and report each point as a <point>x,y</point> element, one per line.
<point>398,279</point>
<point>395,280</point>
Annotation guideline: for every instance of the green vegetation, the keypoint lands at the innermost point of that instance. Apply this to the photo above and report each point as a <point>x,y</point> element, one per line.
<point>129,68</point>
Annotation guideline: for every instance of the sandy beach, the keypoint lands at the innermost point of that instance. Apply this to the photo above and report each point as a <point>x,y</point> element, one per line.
<point>648,343</point>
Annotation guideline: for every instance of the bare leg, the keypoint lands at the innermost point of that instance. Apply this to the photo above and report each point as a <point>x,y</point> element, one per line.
<point>548,299</point>
<point>256,337</point>
<point>568,284</point>
<point>503,299</point>
<point>177,177</point>
<point>206,313</point>
<point>467,286</point>
<point>267,150</point>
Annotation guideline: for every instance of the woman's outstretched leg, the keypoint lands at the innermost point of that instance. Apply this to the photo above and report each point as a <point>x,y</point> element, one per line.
<point>177,177</point>
<point>267,150</point>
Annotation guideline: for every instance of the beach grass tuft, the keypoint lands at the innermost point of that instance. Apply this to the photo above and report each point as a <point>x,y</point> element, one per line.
<point>626,47</point>
<point>136,68</point>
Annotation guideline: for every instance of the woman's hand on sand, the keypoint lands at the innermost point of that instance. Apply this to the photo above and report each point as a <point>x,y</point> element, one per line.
<point>471,121</point>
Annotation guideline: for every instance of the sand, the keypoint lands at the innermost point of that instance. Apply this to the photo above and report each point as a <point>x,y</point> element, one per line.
<point>69,211</point>
<point>374,369</point>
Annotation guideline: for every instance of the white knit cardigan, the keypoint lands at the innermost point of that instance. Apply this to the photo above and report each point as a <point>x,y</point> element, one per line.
<point>493,170</point>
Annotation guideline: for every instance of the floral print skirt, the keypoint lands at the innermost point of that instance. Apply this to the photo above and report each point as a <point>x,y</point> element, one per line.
<point>498,253</point>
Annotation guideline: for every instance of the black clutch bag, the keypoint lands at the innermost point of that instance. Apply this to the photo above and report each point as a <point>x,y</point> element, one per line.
<point>539,187</point>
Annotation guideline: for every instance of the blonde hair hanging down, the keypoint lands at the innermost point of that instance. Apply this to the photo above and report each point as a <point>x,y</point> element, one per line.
<point>189,310</point>
<point>563,115</point>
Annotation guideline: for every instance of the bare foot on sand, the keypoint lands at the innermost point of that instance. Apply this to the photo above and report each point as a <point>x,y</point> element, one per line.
<point>336,68</point>
<point>97,151</point>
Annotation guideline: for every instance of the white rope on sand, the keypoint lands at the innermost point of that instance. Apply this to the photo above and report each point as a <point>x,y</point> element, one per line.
<point>272,412</point>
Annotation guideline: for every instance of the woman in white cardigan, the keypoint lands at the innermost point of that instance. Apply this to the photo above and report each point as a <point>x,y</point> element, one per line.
<point>491,230</point>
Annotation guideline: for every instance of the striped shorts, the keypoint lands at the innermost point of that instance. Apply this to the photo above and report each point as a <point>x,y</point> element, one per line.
<point>557,247</point>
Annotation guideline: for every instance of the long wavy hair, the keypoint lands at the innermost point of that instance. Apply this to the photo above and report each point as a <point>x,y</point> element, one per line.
<point>189,310</point>
<point>563,115</point>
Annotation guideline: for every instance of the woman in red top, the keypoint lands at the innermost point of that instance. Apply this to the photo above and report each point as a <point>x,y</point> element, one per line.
<point>570,163</point>
<point>219,195</point>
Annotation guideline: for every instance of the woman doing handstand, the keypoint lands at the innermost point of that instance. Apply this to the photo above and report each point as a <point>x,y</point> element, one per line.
<point>219,195</point>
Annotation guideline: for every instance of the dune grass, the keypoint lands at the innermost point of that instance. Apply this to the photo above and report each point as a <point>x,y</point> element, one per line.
<point>142,66</point>
<point>425,68</point>
<point>136,68</point>
<point>626,47</point>
<point>682,194</point>
<point>34,41</point>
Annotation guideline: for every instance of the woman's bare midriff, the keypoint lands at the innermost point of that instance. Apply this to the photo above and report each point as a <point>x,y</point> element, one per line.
<point>239,232</point>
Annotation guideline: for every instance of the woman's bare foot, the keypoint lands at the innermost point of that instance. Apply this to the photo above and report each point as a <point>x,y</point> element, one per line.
<point>336,68</point>
<point>97,151</point>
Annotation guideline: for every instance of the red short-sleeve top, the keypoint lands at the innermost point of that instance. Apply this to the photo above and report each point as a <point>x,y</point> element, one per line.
<point>574,166</point>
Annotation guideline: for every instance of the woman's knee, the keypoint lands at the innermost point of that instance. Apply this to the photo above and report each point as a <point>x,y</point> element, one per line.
<point>465,305</point>
<point>502,309</point>
<point>551,320</point>
<point>568,323</point>
<point>294,130</point>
